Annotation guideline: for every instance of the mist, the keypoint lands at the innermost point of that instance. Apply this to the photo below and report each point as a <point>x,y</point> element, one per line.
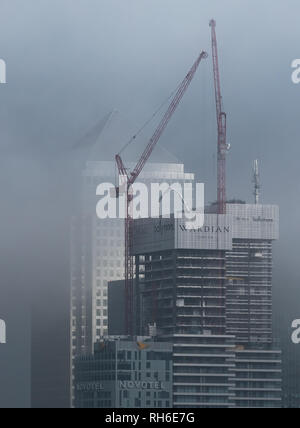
<point>70,62</point>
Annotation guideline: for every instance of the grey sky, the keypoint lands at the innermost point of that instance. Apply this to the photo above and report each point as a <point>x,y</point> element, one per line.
<point>69,62</point>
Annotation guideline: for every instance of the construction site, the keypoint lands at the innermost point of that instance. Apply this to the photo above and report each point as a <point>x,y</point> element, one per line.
<point>205,292</point>
<point>149,206</point>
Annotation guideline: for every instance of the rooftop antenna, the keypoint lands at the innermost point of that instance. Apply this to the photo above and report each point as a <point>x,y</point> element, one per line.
<point>256,181</point>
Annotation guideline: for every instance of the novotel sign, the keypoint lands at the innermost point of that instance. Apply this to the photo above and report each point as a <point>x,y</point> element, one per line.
<point>90,386</point>
<point>128,384</point>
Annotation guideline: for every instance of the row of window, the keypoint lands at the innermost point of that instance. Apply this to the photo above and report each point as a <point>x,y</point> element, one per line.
<point>109,232</point>
<point>102,286</point>
<point>111,243</point>
<point>101,312</point>
<point>101,303</point>
<point>100,333</point>
<point>109,253</point>
<point>100,322</point>
<point>109,263</point>
<point>109,274</point>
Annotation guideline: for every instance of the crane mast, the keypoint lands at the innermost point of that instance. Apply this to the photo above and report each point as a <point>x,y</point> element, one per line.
<point>221,123</point>
<point>256,181</point>
<point>131,177</point>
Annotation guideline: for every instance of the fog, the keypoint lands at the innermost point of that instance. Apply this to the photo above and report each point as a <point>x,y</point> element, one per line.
<point>69,63</point>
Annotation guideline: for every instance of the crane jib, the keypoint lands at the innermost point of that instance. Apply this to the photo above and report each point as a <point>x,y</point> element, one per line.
<point>132,177</point>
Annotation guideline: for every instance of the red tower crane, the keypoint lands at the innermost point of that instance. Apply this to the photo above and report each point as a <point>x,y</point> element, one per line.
<point>221,122</point>
<point>131,177</point>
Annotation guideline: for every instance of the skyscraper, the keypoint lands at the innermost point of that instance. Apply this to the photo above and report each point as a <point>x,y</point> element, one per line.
<point>209,292</point>
<point>249,273</point>
<point>97,253</point>
<point>181,284</point>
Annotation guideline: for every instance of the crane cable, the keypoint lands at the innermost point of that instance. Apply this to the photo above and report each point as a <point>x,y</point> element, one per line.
<point>134,137</point>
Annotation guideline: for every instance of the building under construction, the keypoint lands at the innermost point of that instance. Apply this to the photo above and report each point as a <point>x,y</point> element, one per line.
<point>97,255</point>
<point>209,292</point>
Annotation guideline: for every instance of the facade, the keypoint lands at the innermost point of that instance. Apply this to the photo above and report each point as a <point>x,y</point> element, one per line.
<point>181,288</point>
<point>291,375</point>
<point>257,377</point>
<point>202,367</point>
<point>290,358</point>
<point>97,253</point>
<point>209,292</point>
<point>116,308</point>
<point>249,273</point>
<point>125,373</point>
